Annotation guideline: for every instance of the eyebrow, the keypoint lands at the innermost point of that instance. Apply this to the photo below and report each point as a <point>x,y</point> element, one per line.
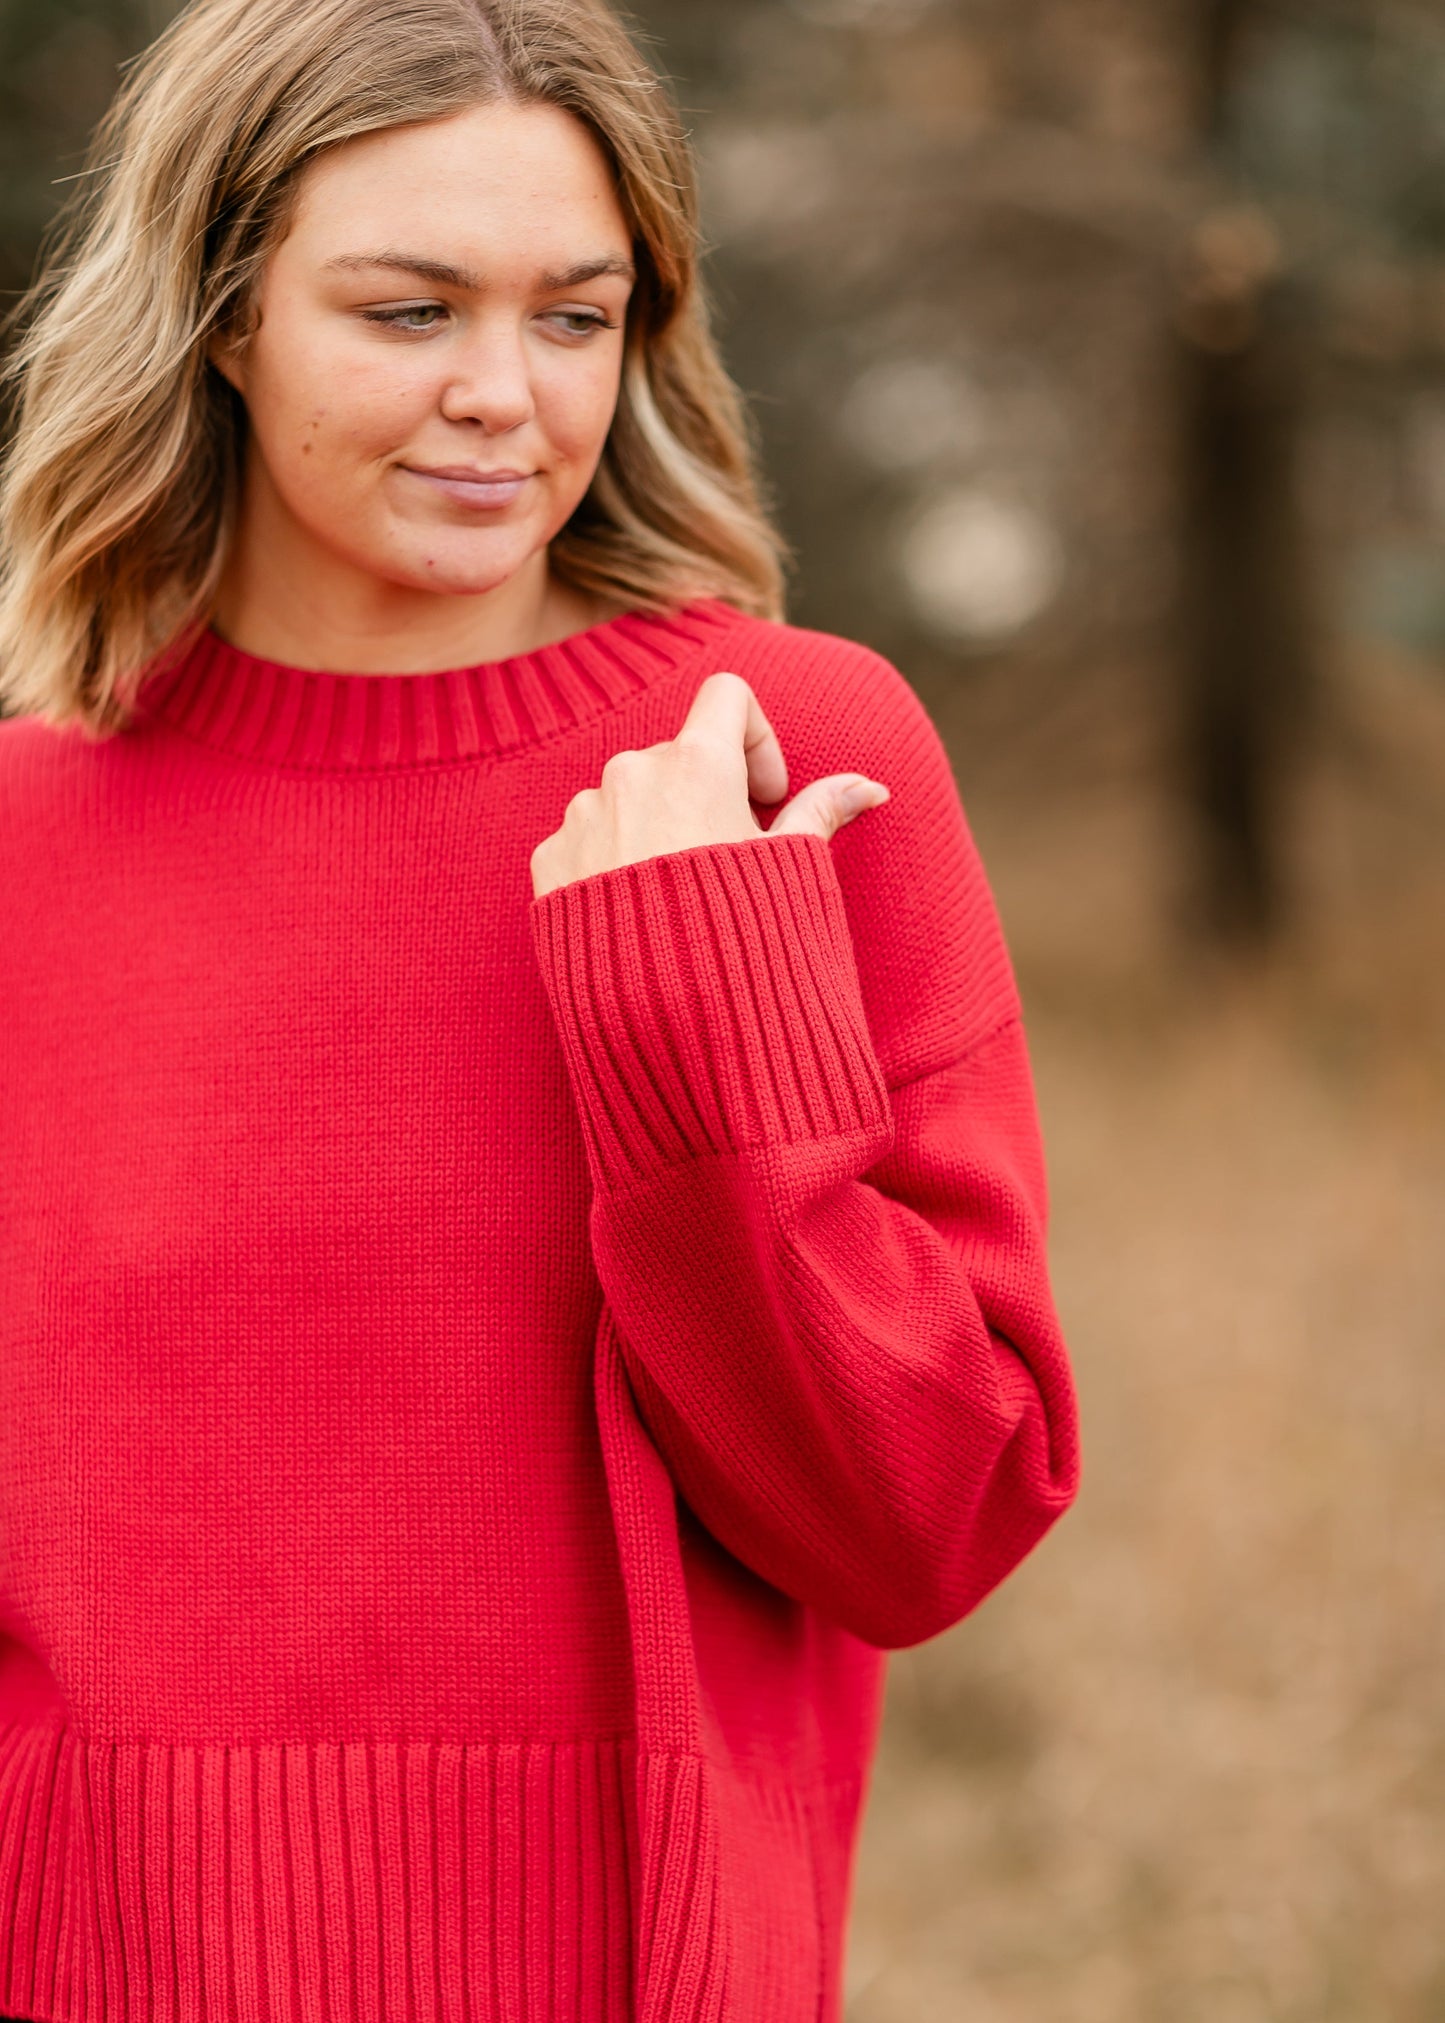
<point>444,275</point>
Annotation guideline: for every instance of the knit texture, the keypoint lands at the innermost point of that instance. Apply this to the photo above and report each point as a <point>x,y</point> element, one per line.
<point>487,1379</point>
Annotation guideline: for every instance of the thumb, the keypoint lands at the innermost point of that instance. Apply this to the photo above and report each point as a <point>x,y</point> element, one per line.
<point>823,806</point>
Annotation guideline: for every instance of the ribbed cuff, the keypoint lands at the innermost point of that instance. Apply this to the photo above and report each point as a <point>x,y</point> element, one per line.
<point>708,999</point>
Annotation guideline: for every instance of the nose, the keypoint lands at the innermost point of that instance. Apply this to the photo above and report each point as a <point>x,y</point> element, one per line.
<point>489,381</point>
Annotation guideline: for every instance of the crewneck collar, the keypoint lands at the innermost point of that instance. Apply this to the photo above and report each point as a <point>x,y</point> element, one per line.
<point>263,710</point>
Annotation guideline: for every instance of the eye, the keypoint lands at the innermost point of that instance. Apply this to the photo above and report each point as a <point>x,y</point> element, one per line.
<point>590,320</point>
<point>408,315</point>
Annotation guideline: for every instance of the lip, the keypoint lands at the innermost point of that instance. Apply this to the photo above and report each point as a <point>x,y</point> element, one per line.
<point>467,473</point>
<point>466,486</point>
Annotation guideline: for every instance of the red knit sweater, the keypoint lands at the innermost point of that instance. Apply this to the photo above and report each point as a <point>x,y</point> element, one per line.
<point>485,1379</point>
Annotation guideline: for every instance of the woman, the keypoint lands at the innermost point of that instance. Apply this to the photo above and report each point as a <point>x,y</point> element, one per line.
<point>524,1271</point>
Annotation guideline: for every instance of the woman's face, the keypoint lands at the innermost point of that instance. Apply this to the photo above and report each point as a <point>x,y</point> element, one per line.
<point>448,305</point>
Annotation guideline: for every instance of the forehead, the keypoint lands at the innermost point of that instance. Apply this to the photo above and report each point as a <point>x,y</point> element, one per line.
<point>494,180</point>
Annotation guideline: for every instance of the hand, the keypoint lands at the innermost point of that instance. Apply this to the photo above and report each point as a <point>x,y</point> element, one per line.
<point>694,789</point>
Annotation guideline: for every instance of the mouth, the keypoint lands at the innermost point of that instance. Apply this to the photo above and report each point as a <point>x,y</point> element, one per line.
<point>465,486</point>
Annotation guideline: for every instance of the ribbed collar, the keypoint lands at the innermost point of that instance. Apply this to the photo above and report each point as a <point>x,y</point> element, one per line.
<point>257,709</point>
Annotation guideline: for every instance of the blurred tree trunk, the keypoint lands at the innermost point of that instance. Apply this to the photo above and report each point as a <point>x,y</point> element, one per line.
<point>1245,609</point>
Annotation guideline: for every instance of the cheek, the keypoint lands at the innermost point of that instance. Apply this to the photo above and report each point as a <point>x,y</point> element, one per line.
<point>329,411</point>
<point>577,406</point>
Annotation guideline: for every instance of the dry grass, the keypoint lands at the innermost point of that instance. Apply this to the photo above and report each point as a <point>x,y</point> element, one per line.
<point>1188,1764</point>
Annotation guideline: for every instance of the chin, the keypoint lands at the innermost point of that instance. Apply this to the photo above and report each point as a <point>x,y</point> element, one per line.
<point>463,584</point>
<point>454,575</point>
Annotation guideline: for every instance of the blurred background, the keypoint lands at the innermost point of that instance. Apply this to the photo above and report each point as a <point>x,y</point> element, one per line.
<point>1097,355</point>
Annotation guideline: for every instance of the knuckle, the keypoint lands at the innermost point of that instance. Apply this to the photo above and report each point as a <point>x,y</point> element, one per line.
<point>694,749</point>
<point>622,769</point>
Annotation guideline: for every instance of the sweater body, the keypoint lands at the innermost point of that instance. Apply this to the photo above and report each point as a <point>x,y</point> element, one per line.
<point>435,1337</point>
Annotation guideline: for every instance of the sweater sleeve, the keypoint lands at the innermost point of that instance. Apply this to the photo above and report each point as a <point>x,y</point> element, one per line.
<point>829,1284</point>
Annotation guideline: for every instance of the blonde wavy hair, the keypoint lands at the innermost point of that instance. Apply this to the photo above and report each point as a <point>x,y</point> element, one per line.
<point>119,491</point>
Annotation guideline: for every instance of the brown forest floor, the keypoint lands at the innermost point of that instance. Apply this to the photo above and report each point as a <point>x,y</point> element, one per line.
<point>1187,1765</point>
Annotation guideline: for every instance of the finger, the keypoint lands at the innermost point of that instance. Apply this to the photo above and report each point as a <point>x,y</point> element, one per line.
<point>726,709</point>
<point>824,806</point>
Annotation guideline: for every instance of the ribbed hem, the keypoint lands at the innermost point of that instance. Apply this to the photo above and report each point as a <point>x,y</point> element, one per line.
<point>577,1881</point>
<point>708,999</point>
<point>309,1882</point>
<point>317,721</point>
